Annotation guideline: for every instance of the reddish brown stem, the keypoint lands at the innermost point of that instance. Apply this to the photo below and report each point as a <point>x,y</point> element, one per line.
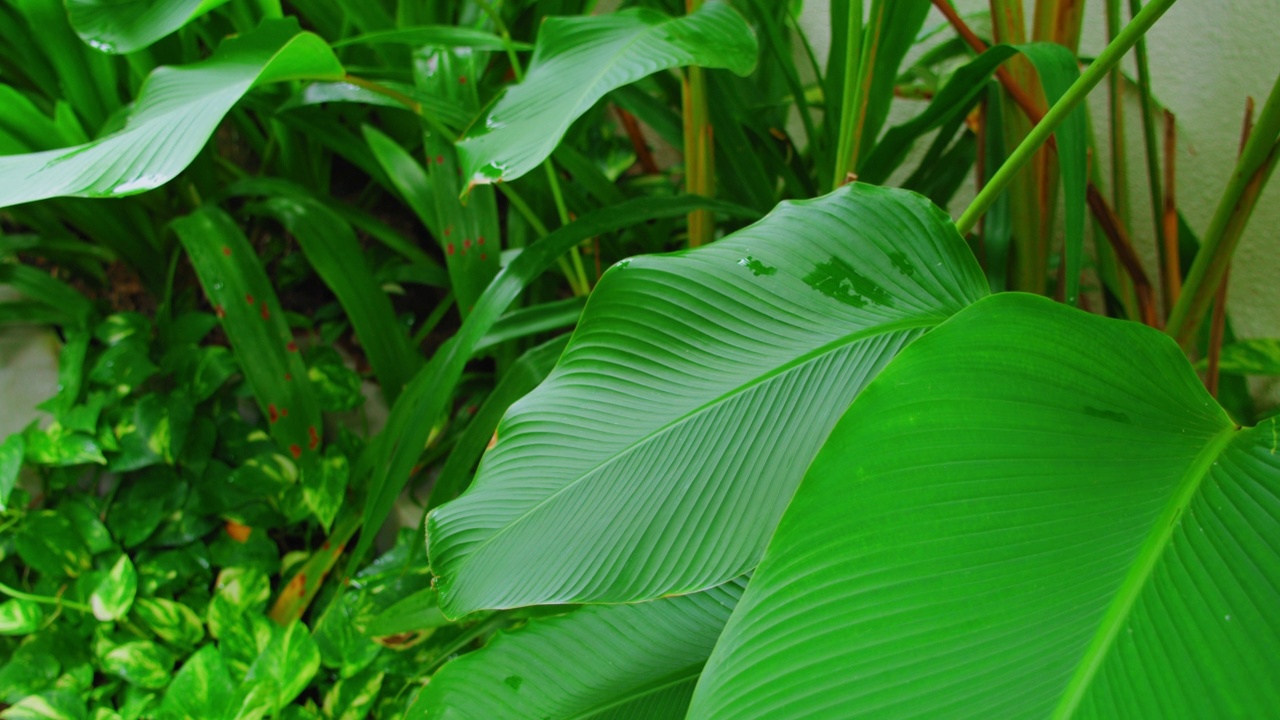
<point>643,154</point>
<point>1172,264</point>
<point>1107,219</point>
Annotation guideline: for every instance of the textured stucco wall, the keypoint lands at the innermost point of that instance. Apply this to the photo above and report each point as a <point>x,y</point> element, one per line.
<point>1206,57</point>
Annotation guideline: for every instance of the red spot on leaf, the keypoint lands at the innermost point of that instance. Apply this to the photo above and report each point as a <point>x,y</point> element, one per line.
<point>462,79</point>
<point>266,314</point>
<point>313,437</point>
<point>295,451</point>
<point>449,248</point>
<point>284,412</point>
<point>326,545</point>
<point>439,159</point>
<point>480,240</point>
<point>448,231</point>
<point>272,414</point>
<point>288,377</point>
<point>299,584</point>
<point>466,243</point>
<point>484,256</point>
<point>471,409</point>
<point>217,310</point>
<point>248,298</point>
<point>291,346</point>
<point>226,251</point>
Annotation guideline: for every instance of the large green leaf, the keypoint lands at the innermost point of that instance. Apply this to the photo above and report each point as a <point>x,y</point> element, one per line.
<point>604,661</point>
<point>177,109</point>
<point>660,453</point>
<point>122,26</point>
<point>1032,511</point>
<point>577,60</point>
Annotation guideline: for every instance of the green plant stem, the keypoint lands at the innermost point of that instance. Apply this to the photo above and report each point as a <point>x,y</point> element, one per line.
<point>1257,161</point>
<point>1073,97</point>
<point>699,147</point>
<point>44,600</point>
<point>850,96</point>
<point>1119,155</point>
<point>530,217</point>
<point>1152,149</point>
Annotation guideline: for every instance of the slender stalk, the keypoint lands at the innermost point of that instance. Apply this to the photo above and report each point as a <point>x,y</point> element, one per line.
<point>1070,99</point>
<point>851,96</point>
<point>1152,147</point>
<point>1219,241</point>
<point>1217,329</point>
<point>44,600</point>
<point>1169,217</point>
<point>1119,154</point>
<point>699,147</point>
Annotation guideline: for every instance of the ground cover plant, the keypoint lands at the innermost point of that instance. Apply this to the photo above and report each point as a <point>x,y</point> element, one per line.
<point>689,412</point>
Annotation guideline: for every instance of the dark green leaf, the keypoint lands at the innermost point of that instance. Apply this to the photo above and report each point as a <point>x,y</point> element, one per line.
<point>11,453</point>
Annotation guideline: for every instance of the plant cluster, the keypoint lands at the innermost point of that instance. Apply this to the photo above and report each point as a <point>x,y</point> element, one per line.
<point>699,417</point>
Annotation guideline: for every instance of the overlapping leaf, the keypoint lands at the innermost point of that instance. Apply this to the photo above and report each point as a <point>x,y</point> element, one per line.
<point>660,453</point>
<point>122,26</point>
<point>609,661</point>
<point>578,60</point>
<point>177,110</point>
<point>1031,512</point>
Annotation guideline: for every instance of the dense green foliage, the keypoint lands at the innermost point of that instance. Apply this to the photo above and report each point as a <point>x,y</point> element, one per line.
<point>327,276</point>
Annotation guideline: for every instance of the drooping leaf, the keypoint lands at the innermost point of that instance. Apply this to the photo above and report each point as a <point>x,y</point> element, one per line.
<point>578,60</point>
<point>113,596</point>
<point>243,296</point>
<point>428,394</point>
<point>658,456</point>
<point>596,662</point>
<point>176,111</point>
<point>1033,511</point>
<point>123,26</point>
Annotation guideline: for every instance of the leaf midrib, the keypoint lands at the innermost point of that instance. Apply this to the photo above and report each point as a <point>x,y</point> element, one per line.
<point>691,672</point>
<point>840,342</point>
<point>1140,573</point>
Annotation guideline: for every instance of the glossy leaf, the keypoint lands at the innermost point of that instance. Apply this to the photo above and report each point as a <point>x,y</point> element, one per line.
<point>658,456</point>
<point>123,26</point>
<point>1033,511</point>
<point>288,663</point>
<point>140,662</point>
<point>175,623</point>
<point>427,396</point>
<point>595,662</point>
<point>202,689</point>
<point>176,111</point>
<point>438,35</point>
<point>243,296</point>
<point>113,596</point>
<point>578,60</point>
<point>20,617</point>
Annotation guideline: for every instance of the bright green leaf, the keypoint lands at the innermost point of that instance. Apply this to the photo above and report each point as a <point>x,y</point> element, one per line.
<point>658,456</point>
<point>11,453</point>
<point>20,617</point>
<point>56,705</point>
<point>50,544</point>
<point>176,111</point>
<point>113,596</point>
<point>288,663</point>
<point>589,663</point>
<point>1033,511</point>
<point>141,662</point>
<point>578,60</point>
<point>123,26</point>
<point>175,623</point>
<point>1255,356</point>
<point>202,689</point>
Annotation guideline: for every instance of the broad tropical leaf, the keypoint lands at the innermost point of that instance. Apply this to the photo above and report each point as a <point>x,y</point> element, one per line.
<point>1032,511</point>
<point>658,456</point>
<point>578,60</point>
<point>427,396</point>
<point>122,26</point>
<point>177,110</point>
<point>602,661</point>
